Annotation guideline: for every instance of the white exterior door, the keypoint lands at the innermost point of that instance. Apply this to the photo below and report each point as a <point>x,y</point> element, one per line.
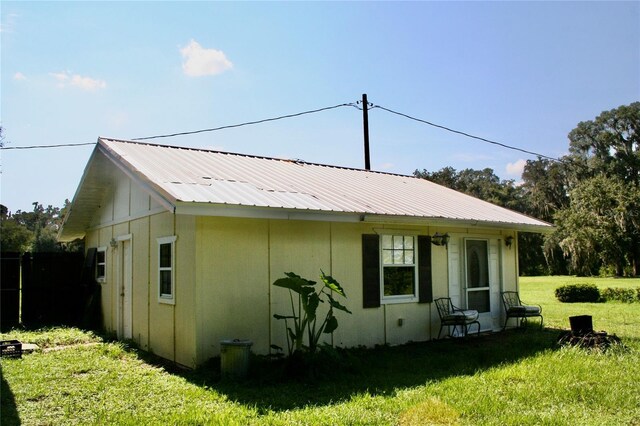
<point>124,284</point>
<point>481,280</point>
<point>475,277</point>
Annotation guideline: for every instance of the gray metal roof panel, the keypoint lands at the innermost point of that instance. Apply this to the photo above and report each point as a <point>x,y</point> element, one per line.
<point>195,177</point>
<point>202,176</point>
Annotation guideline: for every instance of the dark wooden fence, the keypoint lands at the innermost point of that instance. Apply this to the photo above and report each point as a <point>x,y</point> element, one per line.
<point>55,289</point>
<point>10,290</point>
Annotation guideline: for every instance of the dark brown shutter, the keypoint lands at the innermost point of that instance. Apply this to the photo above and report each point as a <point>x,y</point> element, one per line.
<point>370,271</point>
<point>424,269</point>
<point>89,268</point>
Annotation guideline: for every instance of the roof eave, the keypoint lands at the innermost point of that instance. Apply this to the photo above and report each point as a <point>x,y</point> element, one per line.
<point>156,192</point>
<point>261,212</point>
<point>70,230</point>
<point>64,234</point>
<point>466,223</point>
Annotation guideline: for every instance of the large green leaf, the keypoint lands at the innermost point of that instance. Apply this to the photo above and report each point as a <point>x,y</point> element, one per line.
<point>297,284</point>
<point>310,305</point>
<point>331,325</point>
<point>296,276</point>
<point>332,284</point>
<point>335,304</point>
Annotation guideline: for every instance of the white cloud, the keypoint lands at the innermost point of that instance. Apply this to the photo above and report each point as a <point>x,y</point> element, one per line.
<point>65,79</point>
<point>19,76</point>
<point>87,83</point>
<point>516,169</point>
<point>199,61</point>
<point>61,77</point>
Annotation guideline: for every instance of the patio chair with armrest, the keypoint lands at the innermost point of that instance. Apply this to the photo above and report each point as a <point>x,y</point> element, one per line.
<point>451,315</point>
<point>514,308</point>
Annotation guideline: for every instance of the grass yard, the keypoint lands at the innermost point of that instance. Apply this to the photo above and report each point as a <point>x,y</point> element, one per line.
<point>519,377</point>
<point>617,318</point>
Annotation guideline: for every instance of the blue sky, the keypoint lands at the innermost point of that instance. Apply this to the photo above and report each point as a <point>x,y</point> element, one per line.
<point>521,73</point>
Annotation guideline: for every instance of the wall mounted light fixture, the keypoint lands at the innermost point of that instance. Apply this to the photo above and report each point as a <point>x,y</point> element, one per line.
<point>113,243</point>
<point>508,241</point>
<point>439,239</point>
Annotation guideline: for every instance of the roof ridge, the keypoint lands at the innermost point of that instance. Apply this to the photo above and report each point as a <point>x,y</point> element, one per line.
<point>263,157</point>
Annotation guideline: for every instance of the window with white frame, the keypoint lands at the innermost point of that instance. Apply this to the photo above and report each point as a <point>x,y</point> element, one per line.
<point>396,268</point>
<point>399,262</point>
<point>166,269</point>
<point>101,264</point>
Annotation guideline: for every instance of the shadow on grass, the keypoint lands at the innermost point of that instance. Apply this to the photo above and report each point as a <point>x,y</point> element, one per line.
<point>342,374</point>
<point>8,409</point>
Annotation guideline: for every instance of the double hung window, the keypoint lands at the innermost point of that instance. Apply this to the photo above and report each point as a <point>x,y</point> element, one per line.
<point>398,266</point>
<point>166,269</point>
<point>101,264</point>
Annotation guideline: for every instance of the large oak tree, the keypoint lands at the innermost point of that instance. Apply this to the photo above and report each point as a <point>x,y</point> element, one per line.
<point>593,194</point>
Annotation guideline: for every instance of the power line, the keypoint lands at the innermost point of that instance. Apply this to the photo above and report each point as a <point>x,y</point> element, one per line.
<point>357,105</point>
<point>248,123</point>
<point>352,104</point>
<point>465,134</point>
<point>47,146</point>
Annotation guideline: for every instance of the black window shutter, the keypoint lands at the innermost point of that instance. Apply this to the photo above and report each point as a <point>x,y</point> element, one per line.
<point>370,271</point>
<point>424,269</point>
<point>89,268</point>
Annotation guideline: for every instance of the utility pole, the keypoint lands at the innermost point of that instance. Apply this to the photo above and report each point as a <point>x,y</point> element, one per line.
<point>365,125</point>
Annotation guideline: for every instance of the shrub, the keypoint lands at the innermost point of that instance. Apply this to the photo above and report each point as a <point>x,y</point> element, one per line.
<point>578,293</point>
<point>627,295</point>
<point>607,271</point>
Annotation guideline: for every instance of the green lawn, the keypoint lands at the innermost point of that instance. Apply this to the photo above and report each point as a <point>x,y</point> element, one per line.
<point>617,318</point>
<point>520,377</point>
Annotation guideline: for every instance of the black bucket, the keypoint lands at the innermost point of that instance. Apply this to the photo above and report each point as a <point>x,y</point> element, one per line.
<point>581,324</point>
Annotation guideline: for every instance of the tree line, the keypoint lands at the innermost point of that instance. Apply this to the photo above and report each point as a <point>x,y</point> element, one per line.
<point>34,231</point>
<point>591,195</point>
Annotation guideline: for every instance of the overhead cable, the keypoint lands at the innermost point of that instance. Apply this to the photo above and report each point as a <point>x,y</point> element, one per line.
<point>357,105</point>
<point>466,134</point>
<point>248,123</point>
<point>47,146</point>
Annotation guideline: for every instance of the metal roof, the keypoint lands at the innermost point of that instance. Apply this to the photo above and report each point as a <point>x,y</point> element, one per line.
<point>186,177</point>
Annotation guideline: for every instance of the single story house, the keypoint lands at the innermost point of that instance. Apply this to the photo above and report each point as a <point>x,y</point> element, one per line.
<point>187,243</point>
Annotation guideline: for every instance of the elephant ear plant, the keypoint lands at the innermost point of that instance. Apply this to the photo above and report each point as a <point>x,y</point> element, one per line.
<point>303,319</point>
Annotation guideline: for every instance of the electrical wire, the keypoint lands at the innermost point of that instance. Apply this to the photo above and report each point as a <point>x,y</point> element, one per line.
<point>47,146</point>
<point>466,134</point>
<point>248,123</point>
<point>358,105</point>
<point>352,104</point>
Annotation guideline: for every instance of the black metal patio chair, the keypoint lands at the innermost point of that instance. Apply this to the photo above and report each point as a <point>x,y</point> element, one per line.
<point>514,308</point>
<point>452,316</point>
